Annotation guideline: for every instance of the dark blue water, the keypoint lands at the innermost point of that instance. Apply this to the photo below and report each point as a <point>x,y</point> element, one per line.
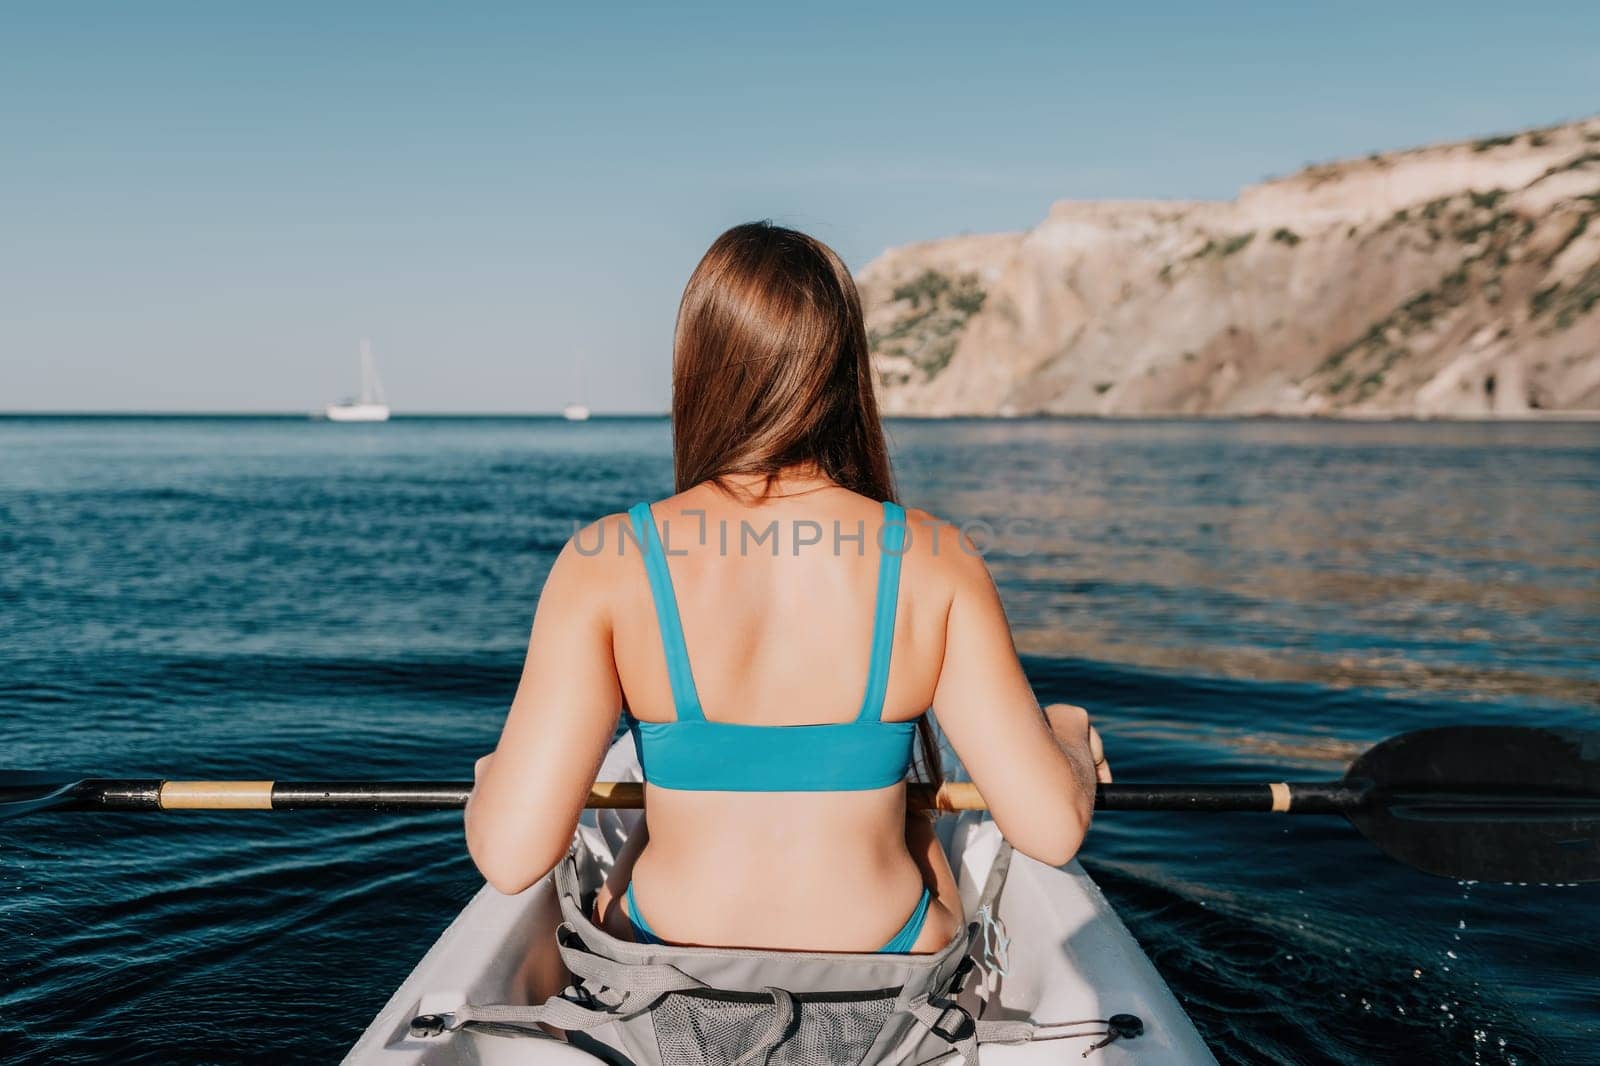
<point>276,598</point>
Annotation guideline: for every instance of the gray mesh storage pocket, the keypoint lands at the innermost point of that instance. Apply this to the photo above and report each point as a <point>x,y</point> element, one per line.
<point>718,1028</point>
<point>664,1005</point>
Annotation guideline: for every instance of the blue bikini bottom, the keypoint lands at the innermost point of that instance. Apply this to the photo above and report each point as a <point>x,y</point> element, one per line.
<point>899,944</point>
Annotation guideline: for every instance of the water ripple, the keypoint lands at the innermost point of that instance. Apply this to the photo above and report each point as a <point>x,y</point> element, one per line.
<point>1233,601</point>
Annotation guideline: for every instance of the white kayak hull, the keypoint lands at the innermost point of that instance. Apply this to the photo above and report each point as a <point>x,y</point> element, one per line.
<point>1070,958</point>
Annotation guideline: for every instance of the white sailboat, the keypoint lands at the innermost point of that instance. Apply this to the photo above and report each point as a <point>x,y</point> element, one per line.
<point>371,407</point>
<point>577,410</point>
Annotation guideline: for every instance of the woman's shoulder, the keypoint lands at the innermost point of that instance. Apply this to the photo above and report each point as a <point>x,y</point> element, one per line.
<point>943,549</point>
<point>592,553</point>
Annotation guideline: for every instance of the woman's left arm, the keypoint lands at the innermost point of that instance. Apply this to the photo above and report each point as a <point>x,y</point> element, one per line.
<point>530,792</point>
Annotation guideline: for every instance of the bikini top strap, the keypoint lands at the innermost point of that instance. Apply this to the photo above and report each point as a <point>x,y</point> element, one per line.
<point>685,699</point>
<point>891,547</point>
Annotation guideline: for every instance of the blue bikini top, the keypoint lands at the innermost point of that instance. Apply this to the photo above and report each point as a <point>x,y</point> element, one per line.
<point>696,754</point>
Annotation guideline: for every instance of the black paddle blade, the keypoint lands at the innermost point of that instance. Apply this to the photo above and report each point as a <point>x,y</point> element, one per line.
<point>25,791</point>
<point>1486,803</point>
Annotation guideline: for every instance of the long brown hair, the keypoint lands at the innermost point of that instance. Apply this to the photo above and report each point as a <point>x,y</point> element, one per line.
<point>770,367</point>
<point>770,370</point>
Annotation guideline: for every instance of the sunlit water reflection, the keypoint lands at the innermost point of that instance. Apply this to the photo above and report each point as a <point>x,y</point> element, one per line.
<point>1233,601</point>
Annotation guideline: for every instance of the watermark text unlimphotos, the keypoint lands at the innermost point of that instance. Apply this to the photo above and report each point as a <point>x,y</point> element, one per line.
<point>974,537</point>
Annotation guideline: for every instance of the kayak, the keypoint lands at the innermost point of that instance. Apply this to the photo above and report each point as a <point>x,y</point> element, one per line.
<point>1066,957</point>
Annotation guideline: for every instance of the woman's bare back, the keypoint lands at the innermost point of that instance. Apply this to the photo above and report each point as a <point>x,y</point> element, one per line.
<point>777,601</point>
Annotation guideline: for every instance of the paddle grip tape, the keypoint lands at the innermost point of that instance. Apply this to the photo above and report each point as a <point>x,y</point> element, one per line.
<point>216,795</point>
<point>1280,797</point>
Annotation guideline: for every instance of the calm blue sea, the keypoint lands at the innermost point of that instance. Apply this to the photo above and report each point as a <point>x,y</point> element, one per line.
<point>261,598</point>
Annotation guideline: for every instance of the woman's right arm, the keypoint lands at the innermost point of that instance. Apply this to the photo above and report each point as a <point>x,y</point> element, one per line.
<point>1036,774</point>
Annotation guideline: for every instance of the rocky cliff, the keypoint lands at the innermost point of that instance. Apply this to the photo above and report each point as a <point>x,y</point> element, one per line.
<point>1459,279</point>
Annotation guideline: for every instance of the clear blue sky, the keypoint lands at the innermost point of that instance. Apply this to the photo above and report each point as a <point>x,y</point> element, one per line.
<point>204,206</point>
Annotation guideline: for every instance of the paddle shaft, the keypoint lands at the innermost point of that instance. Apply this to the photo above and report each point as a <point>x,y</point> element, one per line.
<point>1471,802</point>
<point>107,794</point>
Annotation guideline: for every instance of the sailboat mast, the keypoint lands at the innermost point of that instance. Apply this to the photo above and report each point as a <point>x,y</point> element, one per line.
<point>371,387</point>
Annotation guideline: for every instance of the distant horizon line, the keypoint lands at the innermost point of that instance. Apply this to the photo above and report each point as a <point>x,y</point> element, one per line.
<point>1525,417</point>
<point>309,416</point>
